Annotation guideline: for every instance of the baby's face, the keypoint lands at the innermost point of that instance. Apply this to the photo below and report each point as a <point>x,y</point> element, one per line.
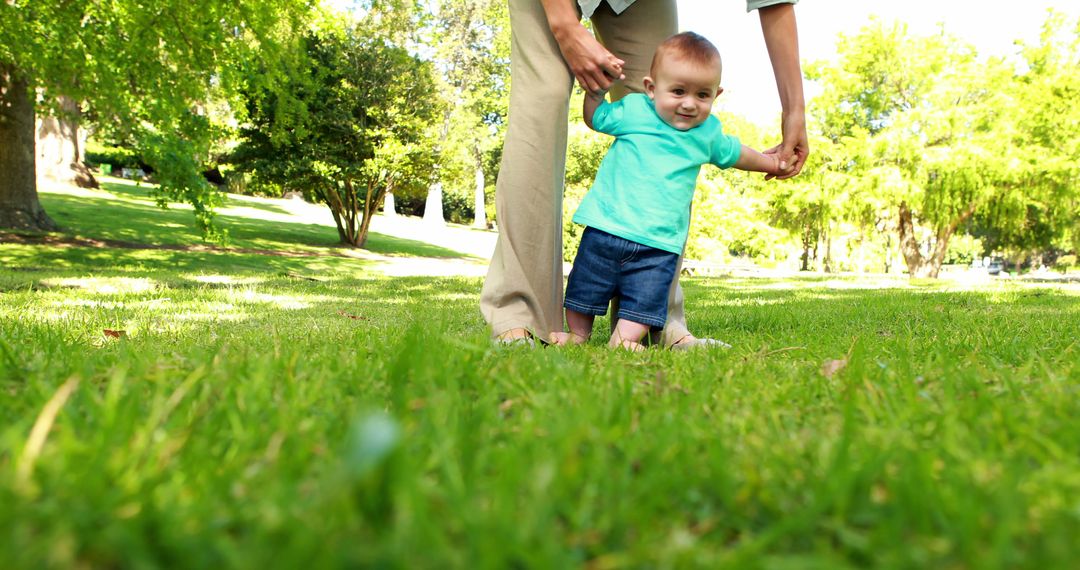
<point>683,92</point>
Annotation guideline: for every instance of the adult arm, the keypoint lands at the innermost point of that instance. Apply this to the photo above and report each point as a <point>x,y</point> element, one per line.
<point>591,63</point>
<point>780,30</point>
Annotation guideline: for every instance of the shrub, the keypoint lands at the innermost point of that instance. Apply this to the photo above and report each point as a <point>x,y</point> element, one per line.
<point>458,208</point>
<point>119,157</point>
<point>1064,262</point>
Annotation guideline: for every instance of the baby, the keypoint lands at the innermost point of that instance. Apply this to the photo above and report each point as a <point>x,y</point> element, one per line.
<point>637,213</point>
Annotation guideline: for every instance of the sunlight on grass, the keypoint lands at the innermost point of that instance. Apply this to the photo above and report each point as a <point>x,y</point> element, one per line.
<point>288,302</point>
<point>223,279</point>
<point>89,303</point>
<point>214,316</point>
<point>219,414</point>
<point>104,285</point>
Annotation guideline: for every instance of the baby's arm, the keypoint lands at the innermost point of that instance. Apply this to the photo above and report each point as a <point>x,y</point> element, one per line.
<point>751,160</point>
<point>588,109</point>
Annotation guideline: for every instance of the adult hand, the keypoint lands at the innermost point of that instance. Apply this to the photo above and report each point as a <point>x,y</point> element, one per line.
<point>592,64</point>
<point>794,149</point>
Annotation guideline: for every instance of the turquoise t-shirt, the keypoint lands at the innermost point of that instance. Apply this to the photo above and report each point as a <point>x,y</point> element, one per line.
<point>645,184</point>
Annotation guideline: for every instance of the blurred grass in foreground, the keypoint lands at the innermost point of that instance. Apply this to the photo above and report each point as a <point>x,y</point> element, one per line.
<point>199,409</point>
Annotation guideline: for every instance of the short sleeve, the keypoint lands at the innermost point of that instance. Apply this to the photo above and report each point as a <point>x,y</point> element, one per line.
<point>725,150</point>
<point>608,117</point>
<point>752,5</point>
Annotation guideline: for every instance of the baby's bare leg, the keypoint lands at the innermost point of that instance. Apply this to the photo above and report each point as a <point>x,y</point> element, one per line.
<point>580,329</point>
<point>628,335</point>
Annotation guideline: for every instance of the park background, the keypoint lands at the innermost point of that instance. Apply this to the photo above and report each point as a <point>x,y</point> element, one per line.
<point>931,147</point>
<point>195,371</point>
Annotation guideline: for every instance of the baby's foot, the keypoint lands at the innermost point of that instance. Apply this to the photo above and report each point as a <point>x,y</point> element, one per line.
<point>567,338</point>
<point>627,344</point>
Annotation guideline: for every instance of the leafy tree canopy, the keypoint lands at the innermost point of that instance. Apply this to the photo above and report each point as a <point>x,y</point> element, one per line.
<point>144,71</point>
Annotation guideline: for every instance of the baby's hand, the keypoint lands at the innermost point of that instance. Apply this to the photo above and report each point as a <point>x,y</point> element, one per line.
<point>773,167</point>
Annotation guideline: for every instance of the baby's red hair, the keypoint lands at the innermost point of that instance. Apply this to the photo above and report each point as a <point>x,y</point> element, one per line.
<point>687,46</point>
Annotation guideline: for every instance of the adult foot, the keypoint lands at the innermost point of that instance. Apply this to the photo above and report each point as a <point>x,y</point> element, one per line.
<point>516,336</point>
<point>690,341</point>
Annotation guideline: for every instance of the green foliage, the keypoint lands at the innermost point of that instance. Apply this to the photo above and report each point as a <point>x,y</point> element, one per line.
<point>471,51</point>
<point>1065,262</point>
<point>144,71</point>
<point>119,157</point>
<point>920,124</point>
<point>361,127</point>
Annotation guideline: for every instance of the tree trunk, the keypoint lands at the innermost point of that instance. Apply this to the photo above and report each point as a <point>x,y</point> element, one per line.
<point>909,246</point>
<point>918,264</point>
<point>371,200</point>
<point>365,225</point>
<point>19,205</point>
<point>389,209</point>
<point>61,147</point>
<point>826,261</point>
<point>344,219</point>
<point>433,212</point>
<point>479,215</point>
<point>805,251</point>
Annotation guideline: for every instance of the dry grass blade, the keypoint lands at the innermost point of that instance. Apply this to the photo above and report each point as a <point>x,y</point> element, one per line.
<point>40,432</point>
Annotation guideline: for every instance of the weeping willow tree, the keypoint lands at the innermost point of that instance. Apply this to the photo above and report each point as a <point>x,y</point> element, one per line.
<point>950,136</point>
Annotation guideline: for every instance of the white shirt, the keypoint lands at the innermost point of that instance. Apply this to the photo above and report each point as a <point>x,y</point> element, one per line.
<point>589,6</point>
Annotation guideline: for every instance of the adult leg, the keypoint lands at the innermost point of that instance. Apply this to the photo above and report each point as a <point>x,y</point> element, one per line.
<point>633,36</point>
<point>524,284</point>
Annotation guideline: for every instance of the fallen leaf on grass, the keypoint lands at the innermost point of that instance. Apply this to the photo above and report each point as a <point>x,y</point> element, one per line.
<point>832,367</point>
<point>352,316</point>
<point>304,277</point>
<point>114,334</point>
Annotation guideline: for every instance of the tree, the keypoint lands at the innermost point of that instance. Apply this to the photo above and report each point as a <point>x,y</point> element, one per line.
<point>361,128</point>
<point>135,68</point>
<point>1045,215</point>
<point>940,149</point>
<point>471,52</point>
<point>61,146</point>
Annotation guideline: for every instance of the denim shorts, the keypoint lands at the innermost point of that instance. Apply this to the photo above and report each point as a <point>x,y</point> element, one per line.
<point>609,266</point>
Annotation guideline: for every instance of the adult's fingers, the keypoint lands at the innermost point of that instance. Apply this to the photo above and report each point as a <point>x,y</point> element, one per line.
<point>786,160</point>
<point>796,161</point>
<point>795,167</point>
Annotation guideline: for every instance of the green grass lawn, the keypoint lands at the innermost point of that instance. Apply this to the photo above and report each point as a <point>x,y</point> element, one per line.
<point>167,408</point>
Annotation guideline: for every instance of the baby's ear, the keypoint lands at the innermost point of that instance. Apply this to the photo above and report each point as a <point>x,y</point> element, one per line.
<point>719,90</point>
<point>650,87</point>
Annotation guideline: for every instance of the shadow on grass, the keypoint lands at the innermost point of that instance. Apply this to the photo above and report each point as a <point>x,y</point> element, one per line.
<point>38,262</point>
<point>135,218</point>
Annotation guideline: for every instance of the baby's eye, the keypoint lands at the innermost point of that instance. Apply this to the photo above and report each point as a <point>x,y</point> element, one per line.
<point>678,91</point>
<point>704,94</point>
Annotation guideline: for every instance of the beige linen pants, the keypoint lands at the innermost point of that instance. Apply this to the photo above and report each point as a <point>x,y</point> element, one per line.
<point>524,284</point>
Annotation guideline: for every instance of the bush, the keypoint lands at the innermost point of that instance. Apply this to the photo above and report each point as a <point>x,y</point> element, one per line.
<point>119,157</point>
<point>457,208</point>
<point>409,205</point>
<point>1064,262</point>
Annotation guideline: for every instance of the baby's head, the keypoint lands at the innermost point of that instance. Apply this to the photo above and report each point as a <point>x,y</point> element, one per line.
<point>684,80</point>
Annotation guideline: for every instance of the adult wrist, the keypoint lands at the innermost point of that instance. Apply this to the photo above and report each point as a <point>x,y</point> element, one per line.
<point>799,109</point>
<point>562,28</point>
